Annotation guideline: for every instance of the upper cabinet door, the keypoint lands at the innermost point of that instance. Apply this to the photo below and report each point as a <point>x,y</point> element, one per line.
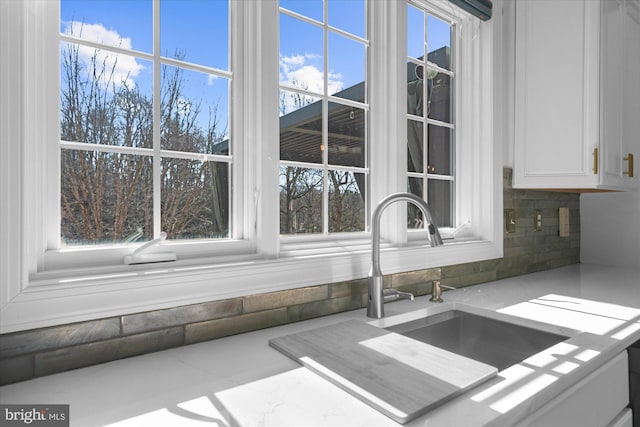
<point>611,92</point>
<point>620,93</point>
<point>631,93</point>
<point>574,94</point>
<point>556,93</point>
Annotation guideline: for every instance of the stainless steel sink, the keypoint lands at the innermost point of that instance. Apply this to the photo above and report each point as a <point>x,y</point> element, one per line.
<point>494,342</point>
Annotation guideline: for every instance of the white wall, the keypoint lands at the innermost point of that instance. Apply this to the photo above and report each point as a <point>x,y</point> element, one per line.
<point>610,229</point>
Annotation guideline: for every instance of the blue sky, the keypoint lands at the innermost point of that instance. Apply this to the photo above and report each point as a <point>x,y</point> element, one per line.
<point>438,33</point>
<point>187,25</point>
<point>198,29</point>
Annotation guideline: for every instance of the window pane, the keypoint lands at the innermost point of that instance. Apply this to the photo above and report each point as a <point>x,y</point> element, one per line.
<point>107,99</point>
<point>316,130</point>
<point>439,42</point>
<point>415,89</point>
<point>99,102</point>
<point>440,150</point>
<point>105,198</point>
<point>309,8</point>
<point>415,33</point>
<point>415,146</point>
<point>128,26</point>
<point>300,127</point>
<point>430,154</point>
<point>348,16</point>
<point>301,57</point>
<point>300,200</point>
<point>194,111</point>
<point>439,96</point>
<point>346,68</point>
<point>440,199</point>
<point>414,214</point>
<point>195,199</point>
<point>346,135</point>
<point>346,201</point>
<point>195,31</point>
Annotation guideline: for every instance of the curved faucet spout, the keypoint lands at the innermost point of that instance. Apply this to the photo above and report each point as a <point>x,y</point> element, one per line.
<point>375,306</point>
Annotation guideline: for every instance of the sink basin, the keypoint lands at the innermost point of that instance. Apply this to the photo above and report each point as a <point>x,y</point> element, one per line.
<point>491,341</point>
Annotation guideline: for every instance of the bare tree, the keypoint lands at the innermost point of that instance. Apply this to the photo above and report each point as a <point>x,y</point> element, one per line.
<point>298,184</point>
<point>195,194</point>
<point>98,188</point>
<point>346,204</point>
<point>300,200</point>
<point>107,196</point>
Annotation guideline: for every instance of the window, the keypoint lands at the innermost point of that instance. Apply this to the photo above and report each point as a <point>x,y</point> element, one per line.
<point>144,121</point>
<point>430,120</point>
<point>323,117</point>
<point>264,131</point>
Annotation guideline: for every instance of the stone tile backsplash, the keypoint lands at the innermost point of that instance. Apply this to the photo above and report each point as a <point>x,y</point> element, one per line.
<point>33,353</point>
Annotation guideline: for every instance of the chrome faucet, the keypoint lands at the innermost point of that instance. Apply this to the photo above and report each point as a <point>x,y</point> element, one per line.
<point>377,295</point>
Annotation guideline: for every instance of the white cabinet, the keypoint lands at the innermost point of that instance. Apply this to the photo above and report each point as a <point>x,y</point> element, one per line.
<point>577,94</point>
<point>598,400</point>
<point>620,92</point>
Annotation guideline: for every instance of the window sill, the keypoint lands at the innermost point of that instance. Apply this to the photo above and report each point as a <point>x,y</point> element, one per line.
<point>123,290</point>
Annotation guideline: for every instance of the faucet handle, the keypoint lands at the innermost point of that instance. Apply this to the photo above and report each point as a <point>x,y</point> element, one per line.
<point>393,294</point>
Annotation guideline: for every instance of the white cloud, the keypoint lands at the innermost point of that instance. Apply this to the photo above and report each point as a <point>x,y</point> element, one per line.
<point>295,61</point>
<point>307,77</point>
<point>302,71</point>
<point>125,67</point>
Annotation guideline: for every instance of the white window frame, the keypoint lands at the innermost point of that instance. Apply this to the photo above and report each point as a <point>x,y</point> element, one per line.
<point>455,21</point>
<point>326,98</point>
<point>112,255</point>
<point>33,295</point>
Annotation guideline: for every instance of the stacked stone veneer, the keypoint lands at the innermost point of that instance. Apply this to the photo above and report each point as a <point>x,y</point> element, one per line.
<point>34,353</point>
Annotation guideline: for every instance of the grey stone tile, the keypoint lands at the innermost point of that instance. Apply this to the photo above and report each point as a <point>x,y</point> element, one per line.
<point>348,288</point>
<point>511,272</point>
<point>58,336</point>
<point>480,277</point>
<point>399,280</point>
<point>416,289</point>
<point>106,351</point>
<point>260,302</point>
<point>510,252</point>
<point>507,177</point>
<point>453,282</point>
<point>159,319</point>
<point>326,307</point>
<point>460,270</point>
<point>218,328</point>
<point>14,369</point>
<point>561,262</point>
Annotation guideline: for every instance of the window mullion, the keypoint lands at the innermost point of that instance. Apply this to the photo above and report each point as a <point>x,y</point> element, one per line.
<point>425,112</point>
<point>261,138</point>
<point>388,120</point>
<point>157,114</point>
<point>325,123</point>
<point>325,154</point>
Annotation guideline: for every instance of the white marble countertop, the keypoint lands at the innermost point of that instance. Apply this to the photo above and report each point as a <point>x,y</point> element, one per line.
<point>241,381</point>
